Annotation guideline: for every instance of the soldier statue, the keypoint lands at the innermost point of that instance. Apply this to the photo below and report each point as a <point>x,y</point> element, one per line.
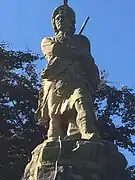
<point>69,81</point>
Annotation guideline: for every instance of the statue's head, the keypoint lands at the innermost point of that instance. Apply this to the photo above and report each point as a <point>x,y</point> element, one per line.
<point>63,19</point>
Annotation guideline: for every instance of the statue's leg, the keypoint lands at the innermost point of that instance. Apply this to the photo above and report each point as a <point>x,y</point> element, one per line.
<point>55,129</point>
<point>86,119</point>
<point>73,130</point>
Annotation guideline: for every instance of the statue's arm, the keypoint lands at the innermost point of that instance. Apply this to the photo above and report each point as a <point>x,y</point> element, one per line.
<point>82,46</point>
<point>53,48</point>
<point>88,62</point>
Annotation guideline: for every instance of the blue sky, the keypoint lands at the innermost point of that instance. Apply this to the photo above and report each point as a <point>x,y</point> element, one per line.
<point>111,30</point>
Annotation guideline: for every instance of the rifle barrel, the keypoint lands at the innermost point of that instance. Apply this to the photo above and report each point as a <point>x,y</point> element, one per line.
<point>83,26</point>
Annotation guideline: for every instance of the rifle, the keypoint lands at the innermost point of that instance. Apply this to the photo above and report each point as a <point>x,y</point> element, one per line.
<point>83,26</point>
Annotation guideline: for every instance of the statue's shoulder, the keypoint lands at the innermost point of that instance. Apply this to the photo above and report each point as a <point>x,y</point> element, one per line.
<point>81,38</point>
<point>47,40</point>
<point>83,41</point>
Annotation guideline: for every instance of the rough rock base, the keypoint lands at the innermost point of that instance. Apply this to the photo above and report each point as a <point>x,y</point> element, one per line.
<point>76,160</point>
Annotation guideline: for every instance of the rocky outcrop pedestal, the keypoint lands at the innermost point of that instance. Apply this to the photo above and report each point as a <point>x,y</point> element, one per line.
<point>76,160</point>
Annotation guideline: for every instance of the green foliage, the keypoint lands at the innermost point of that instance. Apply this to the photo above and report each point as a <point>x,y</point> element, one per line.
<point>116,114</point>
<point>131,172</point>
<point>19,133</point>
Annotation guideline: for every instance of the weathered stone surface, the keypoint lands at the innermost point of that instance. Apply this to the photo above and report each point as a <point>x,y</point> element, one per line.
<point>76,159</point>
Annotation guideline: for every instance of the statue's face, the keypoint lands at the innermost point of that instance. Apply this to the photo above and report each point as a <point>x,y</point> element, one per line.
<point>63,22</point>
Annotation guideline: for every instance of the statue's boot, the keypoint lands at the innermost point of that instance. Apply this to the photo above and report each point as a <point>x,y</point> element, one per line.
<point>73,131</point>
<point>86,119</point>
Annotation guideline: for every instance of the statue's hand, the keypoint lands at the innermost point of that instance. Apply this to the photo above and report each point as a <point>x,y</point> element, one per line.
<point>62,37</point>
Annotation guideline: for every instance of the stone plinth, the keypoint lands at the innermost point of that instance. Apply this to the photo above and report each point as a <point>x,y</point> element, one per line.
<point>76,160</point>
